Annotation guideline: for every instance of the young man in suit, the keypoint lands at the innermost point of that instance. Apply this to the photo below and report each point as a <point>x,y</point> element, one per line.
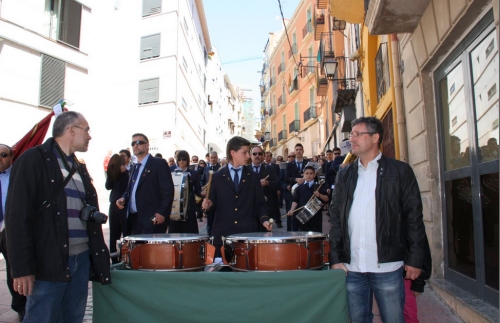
<point>150,191</point>
<point>236,198</point>
<point>294,171</point>
<point>268,181</point>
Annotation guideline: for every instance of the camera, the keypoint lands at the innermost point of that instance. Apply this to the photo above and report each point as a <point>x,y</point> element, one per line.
<point>90,213</point>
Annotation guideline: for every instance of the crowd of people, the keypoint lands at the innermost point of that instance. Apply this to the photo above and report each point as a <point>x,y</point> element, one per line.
<point>53,240</point>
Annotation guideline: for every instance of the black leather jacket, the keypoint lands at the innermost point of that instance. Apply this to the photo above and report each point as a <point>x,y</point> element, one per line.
<point>400,230</point>
<point>38,238</point>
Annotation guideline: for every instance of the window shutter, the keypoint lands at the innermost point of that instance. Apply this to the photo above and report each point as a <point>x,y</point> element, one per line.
<point>71,17</point>
<point>150,46</point>
<point>52,81</point>
<point>148,91</point>
<point>150,7</point>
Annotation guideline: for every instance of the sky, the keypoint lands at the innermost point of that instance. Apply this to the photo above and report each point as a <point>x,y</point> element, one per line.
<point>240,29</point>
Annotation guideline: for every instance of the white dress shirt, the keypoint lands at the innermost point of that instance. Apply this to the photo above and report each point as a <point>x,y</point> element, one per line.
<point>133,205</point>
<point>362,226</point>
<point>4,179</point>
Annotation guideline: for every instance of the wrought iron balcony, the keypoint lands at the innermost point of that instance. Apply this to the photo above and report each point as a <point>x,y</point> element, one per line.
<point>272,81</point>
<point>281,135</point>
<point>295,85</point>
<point>308,28</point>
<point>281,68</point>
<point>267,136</point>
<point>273,143</point>
<point>294,126</point>
<point>292,51</point>
<point>310,114</point>
<point>345,82</point>
<point>319,26</point>
<point>272,111</point>
<point>281,101</point>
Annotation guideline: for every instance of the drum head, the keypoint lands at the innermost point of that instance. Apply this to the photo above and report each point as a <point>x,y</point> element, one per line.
<point>276,237</point>
<point>168,238</point>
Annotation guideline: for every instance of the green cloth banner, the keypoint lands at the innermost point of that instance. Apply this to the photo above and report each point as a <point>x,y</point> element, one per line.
<point>289,296</point>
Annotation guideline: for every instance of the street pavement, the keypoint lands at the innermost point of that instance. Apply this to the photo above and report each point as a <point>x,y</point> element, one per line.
<point>431,308</point>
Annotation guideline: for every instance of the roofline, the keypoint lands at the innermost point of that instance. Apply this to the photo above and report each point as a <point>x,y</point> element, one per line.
<point>204,25</point>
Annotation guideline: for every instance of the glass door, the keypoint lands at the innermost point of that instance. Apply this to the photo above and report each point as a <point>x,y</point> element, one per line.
<point>468,110</point>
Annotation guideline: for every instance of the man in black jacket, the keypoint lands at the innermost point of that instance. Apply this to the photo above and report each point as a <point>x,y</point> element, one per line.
<point>52,249</point>
<point>376,226</point>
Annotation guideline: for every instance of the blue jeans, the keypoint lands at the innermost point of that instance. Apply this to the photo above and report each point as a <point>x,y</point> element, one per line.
<point>389,292</point>
<point>61,301</point>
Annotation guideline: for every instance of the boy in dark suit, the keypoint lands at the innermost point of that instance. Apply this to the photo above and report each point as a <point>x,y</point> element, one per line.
<point>302,195</point>
<point>236,199</point>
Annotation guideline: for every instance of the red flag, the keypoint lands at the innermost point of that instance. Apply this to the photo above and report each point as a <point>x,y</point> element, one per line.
<point>33,138</point>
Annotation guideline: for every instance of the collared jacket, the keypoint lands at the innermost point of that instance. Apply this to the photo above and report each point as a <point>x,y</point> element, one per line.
<point>400,231</point>
<point>38,237</point>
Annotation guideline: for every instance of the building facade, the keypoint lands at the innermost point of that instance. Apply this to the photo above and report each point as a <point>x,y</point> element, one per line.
<point>432,78</point>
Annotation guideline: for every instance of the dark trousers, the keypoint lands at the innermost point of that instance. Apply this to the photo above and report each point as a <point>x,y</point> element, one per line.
<point>18,301</point>
<point>117,226</point>
<point>287,196</point>
<point>137,226</point>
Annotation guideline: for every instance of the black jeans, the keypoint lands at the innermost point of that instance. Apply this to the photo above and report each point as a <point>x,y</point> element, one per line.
<point>117,226</point>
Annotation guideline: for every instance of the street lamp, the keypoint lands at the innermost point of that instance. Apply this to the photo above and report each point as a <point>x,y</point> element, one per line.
<point>330,66</point>
<point>338,24</point>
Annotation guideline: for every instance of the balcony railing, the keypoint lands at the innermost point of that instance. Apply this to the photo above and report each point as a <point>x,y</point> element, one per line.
<point>308,28</point>
<point>272,81</point>
<point>310,113</point>
<point>273,143</point>
<point>267,136</point>
<point>282,135</point>
<point>281,100</point>
<point>294,126</point>
<point>272,111</point>
<point>281,68</point>
<point>292,51</point>
<point>295,85</point>
<point>319,25</point>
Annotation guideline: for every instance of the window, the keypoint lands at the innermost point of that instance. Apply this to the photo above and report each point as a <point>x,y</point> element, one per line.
<point>186,25</point>
<point>149,91</point>
<point>52,81</point>
<point>184,63</point>
<point>382,71</point>
<point>150,7</point>
<point>69,28</point>
<point>184,104</point>
<point>150,46</point>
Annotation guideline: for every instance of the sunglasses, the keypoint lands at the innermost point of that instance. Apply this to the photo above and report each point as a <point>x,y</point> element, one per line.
<point>255,154</point>
<point>4,155</point>
<point>291,156</point>
<point>336,153</point>
<point>138,143</point>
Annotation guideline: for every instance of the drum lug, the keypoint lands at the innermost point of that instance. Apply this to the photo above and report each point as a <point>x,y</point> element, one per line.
<point>202,251</point>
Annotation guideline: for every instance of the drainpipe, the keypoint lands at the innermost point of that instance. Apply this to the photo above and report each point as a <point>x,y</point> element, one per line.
<point>398,94</point>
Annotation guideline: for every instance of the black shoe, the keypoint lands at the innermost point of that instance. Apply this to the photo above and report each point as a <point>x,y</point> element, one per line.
<point>20,315</point>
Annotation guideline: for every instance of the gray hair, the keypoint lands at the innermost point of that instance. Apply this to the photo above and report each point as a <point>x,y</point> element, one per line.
<point>63,121</point>
<point>213,152</point>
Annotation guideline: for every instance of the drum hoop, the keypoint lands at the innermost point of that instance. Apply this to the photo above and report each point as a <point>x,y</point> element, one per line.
<point>276,240</point>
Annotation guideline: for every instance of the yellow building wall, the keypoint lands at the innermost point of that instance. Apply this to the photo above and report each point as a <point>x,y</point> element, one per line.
<point>370,45</point>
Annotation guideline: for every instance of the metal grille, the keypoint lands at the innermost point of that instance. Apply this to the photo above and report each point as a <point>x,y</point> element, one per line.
<point>52,81</point>
<point>150,7</point>
<point>150,46</point>
<point>149,91</point>
<point>71,17</point>
<point>382,71</point>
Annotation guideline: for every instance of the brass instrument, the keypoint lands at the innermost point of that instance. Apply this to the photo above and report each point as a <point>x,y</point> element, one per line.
<point>349,159</point>
<point>199,199</point>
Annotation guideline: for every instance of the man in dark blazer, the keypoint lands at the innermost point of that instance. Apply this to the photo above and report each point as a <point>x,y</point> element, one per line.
<point>268,181</point>
<point>236,198</point>
<point>150,191</point>
<point>212,165</point>
<point>268,157</point>
<point>294,171</point>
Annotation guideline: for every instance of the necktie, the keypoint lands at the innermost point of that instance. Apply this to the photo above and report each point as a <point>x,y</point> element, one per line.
<point>136,173</point>
<point>256,169</point>
<point>299,164</point>
<point>1,200</point>
<point>236,179</point>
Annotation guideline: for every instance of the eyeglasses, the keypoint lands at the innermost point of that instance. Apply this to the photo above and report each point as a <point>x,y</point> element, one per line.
<point>255,154</point>
<point>4,155</point>
<point>182,159</point>
<point>357,134</point>
<point>336,154</point>
<point>138,143</point>
<point>85,129</point>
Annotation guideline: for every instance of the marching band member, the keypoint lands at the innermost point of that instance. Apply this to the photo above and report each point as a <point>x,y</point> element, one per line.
<point>301,196</point>
<point>191,224</point>
<point>236,198</point>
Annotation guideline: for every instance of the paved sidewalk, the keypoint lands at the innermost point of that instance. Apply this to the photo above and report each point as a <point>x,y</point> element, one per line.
<point>431,308</point>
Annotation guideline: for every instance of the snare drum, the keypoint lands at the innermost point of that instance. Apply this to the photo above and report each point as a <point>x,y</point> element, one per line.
<point>275,251</point>
<point>166,252</point>
<point>181,196</point>
<point>310,209</point>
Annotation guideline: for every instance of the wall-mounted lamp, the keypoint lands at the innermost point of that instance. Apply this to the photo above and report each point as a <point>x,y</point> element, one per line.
<point>338,24</point>
<point>330,66</point>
